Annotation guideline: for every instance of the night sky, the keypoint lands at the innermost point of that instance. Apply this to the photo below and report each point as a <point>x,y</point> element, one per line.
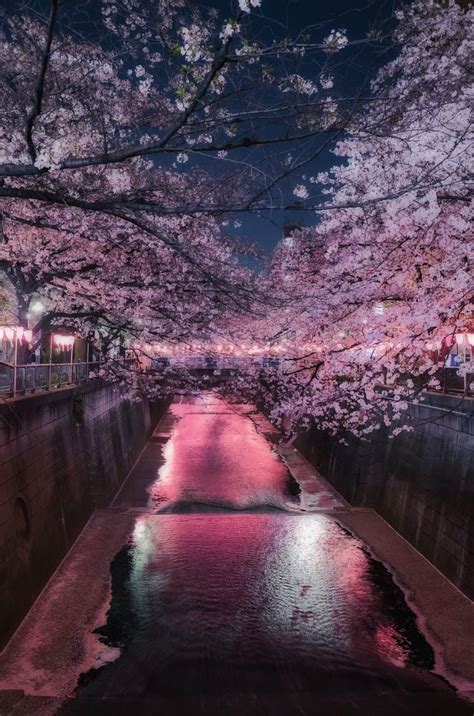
<point>288,17</point>
<point>275,20</point>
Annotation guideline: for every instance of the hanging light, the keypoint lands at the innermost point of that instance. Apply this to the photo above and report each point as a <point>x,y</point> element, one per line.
<point>470,338</point>
<point>9,333</point>
<point>460,338</point>
<point>64,342</point>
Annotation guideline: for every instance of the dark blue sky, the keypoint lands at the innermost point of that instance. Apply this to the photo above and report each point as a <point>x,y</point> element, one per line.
<point>288,17</point>
<point>274,20</point>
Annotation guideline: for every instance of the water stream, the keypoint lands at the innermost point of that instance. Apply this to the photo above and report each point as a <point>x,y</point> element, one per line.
<point>226,591</point>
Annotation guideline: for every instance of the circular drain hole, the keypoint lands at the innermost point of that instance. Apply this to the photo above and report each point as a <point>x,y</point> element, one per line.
<point>21,519</point>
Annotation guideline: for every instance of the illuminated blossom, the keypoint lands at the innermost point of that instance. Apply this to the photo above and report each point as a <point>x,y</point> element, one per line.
<point>300,191</point>
<point>335,41</point>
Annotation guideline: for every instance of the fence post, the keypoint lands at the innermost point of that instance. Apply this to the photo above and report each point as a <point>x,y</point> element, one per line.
<point>15,360</point>
<point>50,360</point>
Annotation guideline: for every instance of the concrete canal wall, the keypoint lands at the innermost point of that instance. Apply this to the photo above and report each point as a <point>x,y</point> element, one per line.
<point>421,482</point>
<point>62,455</point>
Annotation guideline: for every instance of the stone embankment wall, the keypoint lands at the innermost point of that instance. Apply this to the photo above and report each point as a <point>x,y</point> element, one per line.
<point>62,455</point>
<point>421,482</point>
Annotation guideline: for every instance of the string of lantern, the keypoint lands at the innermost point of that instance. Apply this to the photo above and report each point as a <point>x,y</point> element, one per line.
<point>12,333</point>
<point>462,340</point>
<point>62,341</point>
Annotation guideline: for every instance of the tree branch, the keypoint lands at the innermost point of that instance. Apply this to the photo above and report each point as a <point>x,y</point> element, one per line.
<point>39,89</point>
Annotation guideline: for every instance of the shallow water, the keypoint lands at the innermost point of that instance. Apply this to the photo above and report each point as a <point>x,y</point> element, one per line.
<point>216,456</point>
<point>219,596</point>
<point>250,601</point>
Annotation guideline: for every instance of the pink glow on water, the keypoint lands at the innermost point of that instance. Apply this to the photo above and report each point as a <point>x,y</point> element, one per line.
<point>296,587</point>
<point>216,456</point>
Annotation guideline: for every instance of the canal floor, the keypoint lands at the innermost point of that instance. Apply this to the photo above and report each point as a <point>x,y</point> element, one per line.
<point>212,585</point>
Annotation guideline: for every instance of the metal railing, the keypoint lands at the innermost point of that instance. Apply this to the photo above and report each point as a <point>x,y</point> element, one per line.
<point>213,362</point>
<point>452,382</point>
<point>35,377</point>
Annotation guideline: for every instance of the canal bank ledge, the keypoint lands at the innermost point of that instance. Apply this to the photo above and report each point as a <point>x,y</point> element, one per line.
<point>444,613</point>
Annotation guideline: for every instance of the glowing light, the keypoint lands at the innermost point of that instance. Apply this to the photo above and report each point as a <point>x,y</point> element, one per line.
<point>64,342</point>
<point>37,307</point>
<point>19,333</point>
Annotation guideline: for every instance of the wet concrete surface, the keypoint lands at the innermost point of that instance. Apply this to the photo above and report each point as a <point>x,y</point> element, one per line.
<point>446,614</point>
<point>207,587</point>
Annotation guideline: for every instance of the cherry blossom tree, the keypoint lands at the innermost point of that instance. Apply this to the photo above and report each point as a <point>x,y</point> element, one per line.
<point>135,135</point>
<point>159,82</point>
<point>165,279</point>
<point>374,293</point>
<point>105,212</point>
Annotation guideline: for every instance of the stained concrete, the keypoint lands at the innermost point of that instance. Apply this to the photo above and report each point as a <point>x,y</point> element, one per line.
<point>445,613</point>
<point>421,482</point>
<point>63,454</point>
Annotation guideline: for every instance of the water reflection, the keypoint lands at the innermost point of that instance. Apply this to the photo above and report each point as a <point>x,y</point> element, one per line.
<point>216,456</point>
<point>216,607</point>
<point>244,602</point>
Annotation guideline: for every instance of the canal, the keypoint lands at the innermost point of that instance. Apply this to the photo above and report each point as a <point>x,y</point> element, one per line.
<point>228,596</point>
